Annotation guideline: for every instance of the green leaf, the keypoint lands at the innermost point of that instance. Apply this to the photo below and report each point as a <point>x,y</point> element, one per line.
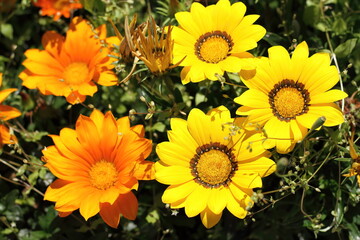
<point>345,49</point>
<point>22,170</point>
<point>33,177</point>
<point>273,38</point>
<point>339,26</point>
<point>152,217</point>
<point>7,231</point>
<point>339,208</point>
<point>33,136</point>
<point>312,15</point>
<point>159,126</point>
<point>7,30</point>
<point>46,220</point>
<point>93,6</point>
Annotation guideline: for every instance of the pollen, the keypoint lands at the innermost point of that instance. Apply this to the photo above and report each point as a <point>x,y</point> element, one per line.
<point>103,175</point>
<point>289,99</point>
<point>213,47</point>
<point>213,165</point>
<point>76,73</point>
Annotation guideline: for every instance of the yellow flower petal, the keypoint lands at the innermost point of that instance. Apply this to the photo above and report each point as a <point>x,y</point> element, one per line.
<point>197,200</point>
<point>217,202</point>
<point>198,126</point>
<point>329,96</point>
<point>253,98</point>
<point>168,152</point>
<point>230,64</point>
<point>247,180</point>
<point>210,219</point>
<point>263,166</point>
<point>186,21</point>
<point>298,131</point>
<point>298,60</point>
<point>172,174</point>
<point>279,60</point>
<point>330,111</point>
<point>238,193</point>
<point>276,129</point>
<point>90,204</point>
<point>235,207</point>
<point>110,195</point>
<point>175,193</point>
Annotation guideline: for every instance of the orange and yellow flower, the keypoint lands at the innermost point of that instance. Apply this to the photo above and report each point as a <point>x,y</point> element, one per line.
<point>97,166</point>
<point>70,66</point>
<point>211,164</point>
<point>57,8</point>
<point>289,94</point>
<point>6,113</point>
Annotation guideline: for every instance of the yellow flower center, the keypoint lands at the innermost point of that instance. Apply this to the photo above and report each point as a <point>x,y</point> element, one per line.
<point>213,47</point>
<point>213,165</point>
<point>289,102</point>
<point>76,73</point>
<point>289,99</point>
<point>103,175</point>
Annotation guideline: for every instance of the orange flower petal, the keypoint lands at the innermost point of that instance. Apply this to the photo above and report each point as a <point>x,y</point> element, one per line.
<point>89,138</point>
<point>7,112</point>
<point>125,204</point>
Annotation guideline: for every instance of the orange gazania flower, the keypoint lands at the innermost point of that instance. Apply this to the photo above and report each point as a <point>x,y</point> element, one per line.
<point>6,113</point>
<point>98,164</point>
<point>70,66</point>
<point>57,8</point>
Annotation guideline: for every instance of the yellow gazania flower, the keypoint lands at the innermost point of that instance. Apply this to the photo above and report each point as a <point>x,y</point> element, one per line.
<point>57,8</point>
<point>287,95</point>
<point>154,50</point>
<point>70,66</point>
<point>7,113</point>
<point>214,39</point>
<point>98,164</point>
<point>209,166</point>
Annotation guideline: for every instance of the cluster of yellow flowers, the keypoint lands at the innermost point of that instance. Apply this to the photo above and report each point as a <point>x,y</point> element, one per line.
<point>211,161</point>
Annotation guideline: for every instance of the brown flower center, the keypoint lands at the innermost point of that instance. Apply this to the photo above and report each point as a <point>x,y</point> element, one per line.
<point>289,99</point>
<point>213,47</point>
<point>213,165</point>
<point>103,175</point>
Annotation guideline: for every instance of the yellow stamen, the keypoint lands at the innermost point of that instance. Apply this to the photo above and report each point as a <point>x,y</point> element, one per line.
<point>214,167</point>
<point>289,102</point>
<point>103,175</point>
<point>289,99</point>
<point>76,73</point>
<point>213,47</point>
